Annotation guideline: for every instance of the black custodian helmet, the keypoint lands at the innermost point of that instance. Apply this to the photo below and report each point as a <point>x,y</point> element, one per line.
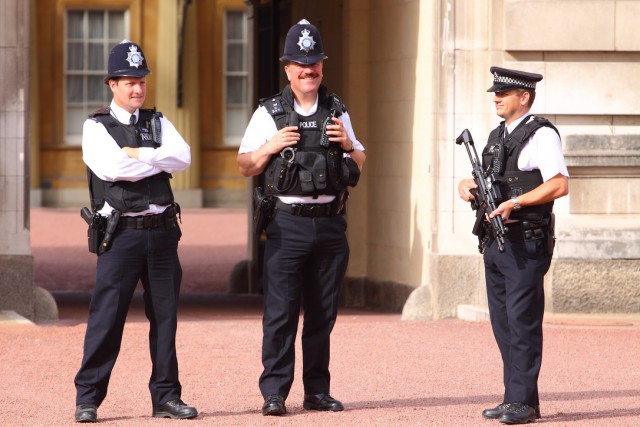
<point>126,60</point>
<point>303,44</point>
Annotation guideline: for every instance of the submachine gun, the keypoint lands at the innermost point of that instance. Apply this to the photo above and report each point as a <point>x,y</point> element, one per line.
<point>486,197</point>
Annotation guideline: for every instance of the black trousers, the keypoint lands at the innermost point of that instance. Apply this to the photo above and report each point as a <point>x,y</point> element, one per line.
<point>305,262</point>
<point>151,256</point>
<point>515,290</point>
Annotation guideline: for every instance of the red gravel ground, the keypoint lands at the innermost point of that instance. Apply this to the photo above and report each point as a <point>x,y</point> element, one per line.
<point>213,241</point>
<point>387,372</point>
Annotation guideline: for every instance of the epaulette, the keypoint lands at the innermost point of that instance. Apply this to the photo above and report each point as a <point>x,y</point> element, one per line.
<point>104,111</point>
<point>273,105</point>
<point>523,133</point>
<point>545,122</point>
<point>150,111</point>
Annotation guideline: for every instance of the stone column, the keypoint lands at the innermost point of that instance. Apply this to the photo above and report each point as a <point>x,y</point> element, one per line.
<point>17,292</point>
<point>185,118</point>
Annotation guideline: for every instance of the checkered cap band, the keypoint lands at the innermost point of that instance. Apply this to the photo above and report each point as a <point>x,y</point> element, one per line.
<point>504,80</point>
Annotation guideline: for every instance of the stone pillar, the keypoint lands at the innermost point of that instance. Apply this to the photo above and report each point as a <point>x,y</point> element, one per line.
<point>185,118</point>
<point>17,292</point>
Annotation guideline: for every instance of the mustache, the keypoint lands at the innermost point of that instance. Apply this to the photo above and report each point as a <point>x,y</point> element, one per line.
<point>309,75</point>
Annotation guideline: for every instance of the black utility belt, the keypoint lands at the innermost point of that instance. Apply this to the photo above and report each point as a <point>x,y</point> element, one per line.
<point>525,230</point>
<point>167,218</point>
<point>311,210</point>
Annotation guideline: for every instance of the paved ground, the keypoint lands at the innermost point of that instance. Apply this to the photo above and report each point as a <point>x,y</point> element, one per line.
<point>388,372</point>
<point>213,241</point>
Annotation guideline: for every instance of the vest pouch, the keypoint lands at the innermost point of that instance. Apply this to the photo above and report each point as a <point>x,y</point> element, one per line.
<point>306,181</point>
<point>334,167</point>
<point>127,196</point>
<point>349,172</point>
<point>280,176</point>
<point>313,171</point>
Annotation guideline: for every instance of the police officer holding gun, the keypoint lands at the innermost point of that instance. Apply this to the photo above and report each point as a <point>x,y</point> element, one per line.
<point>526,152</point>
<point>130,153</point>
<point>302,142</point>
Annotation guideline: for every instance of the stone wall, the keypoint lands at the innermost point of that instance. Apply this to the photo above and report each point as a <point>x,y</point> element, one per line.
<point>17,292</point>
<point>16,264</point>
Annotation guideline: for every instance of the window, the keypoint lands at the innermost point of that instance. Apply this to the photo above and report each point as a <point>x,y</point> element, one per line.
<point>235,77</point>
<point>89,37</point>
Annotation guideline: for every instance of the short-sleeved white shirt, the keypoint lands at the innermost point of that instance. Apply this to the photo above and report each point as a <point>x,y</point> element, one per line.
<point>543,151</point>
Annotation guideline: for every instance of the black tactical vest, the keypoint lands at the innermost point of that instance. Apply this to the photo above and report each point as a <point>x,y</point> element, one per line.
<point>515,182</point>
<point>128,196</point>
<point>308,168</point>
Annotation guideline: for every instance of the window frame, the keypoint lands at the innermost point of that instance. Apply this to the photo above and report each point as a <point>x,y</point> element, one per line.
<point>234,140</point>
<point>86,104</point>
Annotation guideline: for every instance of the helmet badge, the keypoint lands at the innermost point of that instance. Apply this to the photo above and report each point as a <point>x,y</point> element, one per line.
<point>134,57</point>
<point>306,42</point>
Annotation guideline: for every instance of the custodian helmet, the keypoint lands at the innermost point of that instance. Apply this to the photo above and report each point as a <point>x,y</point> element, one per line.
<point>126,60</point>
<point>303,44</point>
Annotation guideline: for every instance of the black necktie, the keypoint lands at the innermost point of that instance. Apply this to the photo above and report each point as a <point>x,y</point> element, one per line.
<point>506,133</point>
<point>132,120</point>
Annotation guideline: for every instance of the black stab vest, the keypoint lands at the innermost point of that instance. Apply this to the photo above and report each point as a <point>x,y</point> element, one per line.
<point>128,196</point>
<point>515,182</point>
<point>309,169</point>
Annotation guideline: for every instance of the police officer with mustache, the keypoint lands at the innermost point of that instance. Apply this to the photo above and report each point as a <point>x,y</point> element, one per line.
<point>303,145</point>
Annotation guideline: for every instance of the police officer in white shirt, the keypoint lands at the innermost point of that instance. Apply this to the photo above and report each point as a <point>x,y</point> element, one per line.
<point>130,153</point>
<point>525,151</point>
<point>302,144</point>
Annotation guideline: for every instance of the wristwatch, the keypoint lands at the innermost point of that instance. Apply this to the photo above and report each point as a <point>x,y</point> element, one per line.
<point>351,150</point>
<point>516,205</point>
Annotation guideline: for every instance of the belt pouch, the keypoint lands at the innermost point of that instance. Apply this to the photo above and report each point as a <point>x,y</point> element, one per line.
<point>170,218</point>
<point>532,231</point>
<point>551,235</point>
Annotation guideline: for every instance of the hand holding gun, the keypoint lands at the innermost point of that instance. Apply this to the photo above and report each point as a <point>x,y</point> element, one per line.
<point>486,195</point>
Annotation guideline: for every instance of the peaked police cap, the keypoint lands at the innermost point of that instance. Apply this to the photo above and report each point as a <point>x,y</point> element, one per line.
<point>126,60</point>
<point>506,79</point>
<point>303,44</point>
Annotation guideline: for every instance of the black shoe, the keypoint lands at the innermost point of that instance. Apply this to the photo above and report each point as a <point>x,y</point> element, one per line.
<point>518,413</point>
<point>321,402</point>
<point>175,409</point>
<point>86,413</point>
<point>495,413</point>
<point>274,405</point>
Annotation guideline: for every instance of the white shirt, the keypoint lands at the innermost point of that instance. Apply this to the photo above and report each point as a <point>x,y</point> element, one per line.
<point>102,154</point>
<point>543,151</point>
<point>262,127</point>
